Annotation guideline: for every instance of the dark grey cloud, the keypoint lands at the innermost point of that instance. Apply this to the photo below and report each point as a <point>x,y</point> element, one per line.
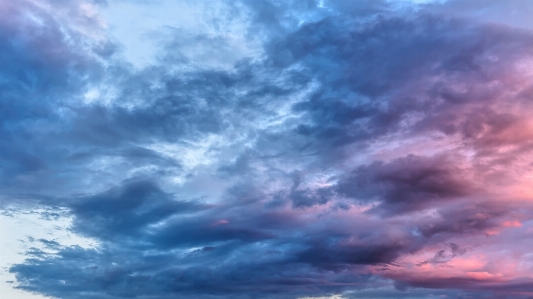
<point>123,211</point>
<point>408,183</point>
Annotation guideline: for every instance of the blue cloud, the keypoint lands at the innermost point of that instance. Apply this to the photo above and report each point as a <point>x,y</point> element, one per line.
<point>285,176</point>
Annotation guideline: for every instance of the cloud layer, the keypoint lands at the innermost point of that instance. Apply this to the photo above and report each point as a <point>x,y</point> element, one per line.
<point>368,150</point>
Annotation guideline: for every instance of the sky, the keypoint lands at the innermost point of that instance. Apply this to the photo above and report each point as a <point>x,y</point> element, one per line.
<point>280,149</point>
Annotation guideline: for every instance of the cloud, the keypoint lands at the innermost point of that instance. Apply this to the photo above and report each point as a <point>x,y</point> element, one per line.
<point>366,150</point>
<point>408,183</point>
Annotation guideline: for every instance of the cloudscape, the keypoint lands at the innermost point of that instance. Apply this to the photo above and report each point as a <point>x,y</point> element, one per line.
<point>283,149</point>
